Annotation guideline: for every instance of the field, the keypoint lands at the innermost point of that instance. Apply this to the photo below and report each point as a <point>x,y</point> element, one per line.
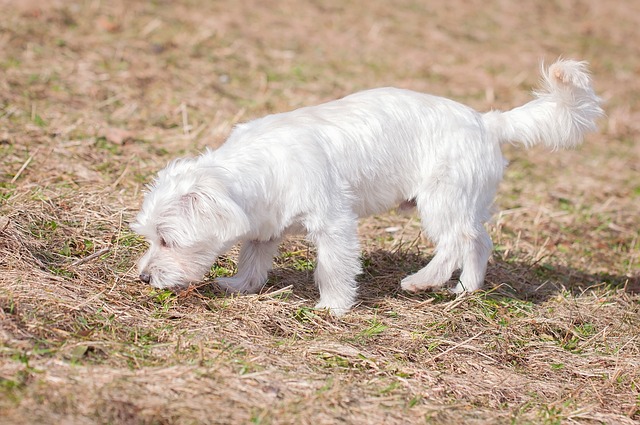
<point>97,96</point>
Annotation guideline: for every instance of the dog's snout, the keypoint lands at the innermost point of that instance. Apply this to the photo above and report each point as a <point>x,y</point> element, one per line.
<point>145,277</point>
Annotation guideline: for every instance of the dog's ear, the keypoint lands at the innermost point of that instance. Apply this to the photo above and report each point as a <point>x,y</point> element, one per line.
<point>217,214</point>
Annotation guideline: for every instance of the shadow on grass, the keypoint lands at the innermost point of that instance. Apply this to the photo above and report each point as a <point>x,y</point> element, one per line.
<point>383,271</point>
<point>538,282</point>
<point>535,283</point>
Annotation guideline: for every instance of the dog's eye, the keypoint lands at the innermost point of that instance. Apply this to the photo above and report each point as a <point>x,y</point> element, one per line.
<point>163,243</point>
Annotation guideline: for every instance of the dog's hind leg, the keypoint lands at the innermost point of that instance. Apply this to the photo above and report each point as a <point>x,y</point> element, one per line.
<point>254,263</point>
<point>436,273</point>
<point>438,224</point>
<point>460,242</point>
<point>477,250</point>
<point>338,261</point>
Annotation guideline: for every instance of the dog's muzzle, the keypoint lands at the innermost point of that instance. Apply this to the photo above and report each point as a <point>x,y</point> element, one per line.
<point>145,277</point>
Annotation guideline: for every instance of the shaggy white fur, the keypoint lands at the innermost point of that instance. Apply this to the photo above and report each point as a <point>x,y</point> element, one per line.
<point>317,169</point>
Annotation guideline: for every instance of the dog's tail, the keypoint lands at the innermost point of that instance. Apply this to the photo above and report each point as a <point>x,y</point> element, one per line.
<point>562,113</point>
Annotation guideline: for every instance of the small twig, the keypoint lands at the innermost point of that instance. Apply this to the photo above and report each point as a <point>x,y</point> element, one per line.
<point>24,166</point>
<point>274,293</point>
<point>456,346</point>
<point>237,116</point>
<point>455,303</point>
<point>185,119</point>
<point>420,304</point>
<point>254,375</point>
<point>108,101</point>
<point>88,301</point>
<point>118,278</point>
<point>90,257</point>
<point>4,223</point>
<point>8,111</point>
<point>119,179</point>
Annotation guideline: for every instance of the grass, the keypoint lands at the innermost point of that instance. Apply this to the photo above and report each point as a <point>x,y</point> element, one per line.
<point>95,97</point>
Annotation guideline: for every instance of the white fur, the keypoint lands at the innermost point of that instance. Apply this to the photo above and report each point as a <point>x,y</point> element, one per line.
<point>318,169</point>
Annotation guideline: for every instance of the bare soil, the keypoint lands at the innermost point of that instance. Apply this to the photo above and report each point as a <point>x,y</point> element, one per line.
<point>96,97</point>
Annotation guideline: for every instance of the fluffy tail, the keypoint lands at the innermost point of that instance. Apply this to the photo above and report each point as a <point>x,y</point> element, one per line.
<point>563,112</point>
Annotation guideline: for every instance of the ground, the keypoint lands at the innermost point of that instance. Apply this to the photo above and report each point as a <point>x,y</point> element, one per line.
<point>96,97</point>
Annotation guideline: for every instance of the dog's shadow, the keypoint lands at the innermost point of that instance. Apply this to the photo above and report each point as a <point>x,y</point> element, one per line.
<point>383,271</point>
<point>541,281</point>
<point>519,280</point>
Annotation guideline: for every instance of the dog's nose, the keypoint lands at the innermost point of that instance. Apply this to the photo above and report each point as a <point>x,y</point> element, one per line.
<point>145,277</point>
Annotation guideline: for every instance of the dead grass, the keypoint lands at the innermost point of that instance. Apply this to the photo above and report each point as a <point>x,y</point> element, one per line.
<point>96,96</point>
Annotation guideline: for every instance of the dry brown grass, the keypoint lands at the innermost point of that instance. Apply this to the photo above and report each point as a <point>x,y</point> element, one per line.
<point>96,96</point>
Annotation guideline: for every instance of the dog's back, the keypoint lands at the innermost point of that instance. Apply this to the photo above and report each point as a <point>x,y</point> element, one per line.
<point>381,144</point>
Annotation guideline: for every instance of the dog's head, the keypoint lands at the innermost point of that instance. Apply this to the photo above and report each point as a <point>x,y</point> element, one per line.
<point>188,218</point>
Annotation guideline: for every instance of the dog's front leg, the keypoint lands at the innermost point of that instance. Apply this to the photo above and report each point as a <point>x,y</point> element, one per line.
<point>254,263</point>
<point>338,264</point>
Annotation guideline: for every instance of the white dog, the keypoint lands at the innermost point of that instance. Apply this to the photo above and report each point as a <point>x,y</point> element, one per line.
<point>318,169</point>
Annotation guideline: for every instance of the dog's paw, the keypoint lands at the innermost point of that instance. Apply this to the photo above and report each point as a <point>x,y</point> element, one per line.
<point>458,290</point>
<point>335,310</point>
<point>409,286</point>
<point>461,289</point>
<point>230,285</point>
<point>414,283</point>
<point>235,285</point>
